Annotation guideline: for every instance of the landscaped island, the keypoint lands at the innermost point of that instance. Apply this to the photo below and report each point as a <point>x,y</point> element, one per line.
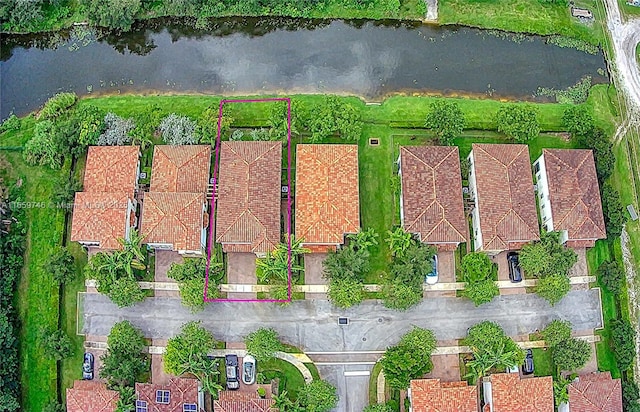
<point>44,156</point>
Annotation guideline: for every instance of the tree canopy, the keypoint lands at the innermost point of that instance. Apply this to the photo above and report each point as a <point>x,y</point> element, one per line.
<point>553,288</point>
<point>409,359</point>
<point>571,354</point>
<point>491,348</point>
<point>478,271</point>
<point>547,256</point>
<point>187,353</point>
<point>556,331</point>
<point>446,119</point>
<point>124,361</point>
<point>318,396</point>
<point>519,122</point>
<point>263,343</point>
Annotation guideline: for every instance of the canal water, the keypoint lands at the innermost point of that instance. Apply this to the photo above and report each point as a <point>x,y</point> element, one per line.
<point>247,56</point>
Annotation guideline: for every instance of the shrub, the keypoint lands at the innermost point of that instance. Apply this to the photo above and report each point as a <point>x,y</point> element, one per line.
<point>318,396</point>
<point>571,354</point>
<point>237,135</point>
<point>556,332</point>
<point>57,105</point>
<point>57,344</point>
<point>11,124</point>
<point>409,359</point>
<point>476,266</point>
<point>553,288</point>
<point>42,149</point>
<point>578,121</point>
<point>519,122</point>
<point>630,396</point>
<point>91,123</point>
<point>178,130</point>
<point>623,341</point>
<point>345,293</point>
<point>614,217</point>
<point>117,14</point>
<point>60,265</point>
<point>263,344</point>
<point>400,296</point>
<point>117,131</point>
<point>124,362</point>
<point>481,292</point>
<point>260,135</point>
<point>332,116</point>
<point>547,256</point>
<point>611,275</point>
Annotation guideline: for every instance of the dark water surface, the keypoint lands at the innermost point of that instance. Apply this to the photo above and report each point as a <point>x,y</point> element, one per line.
<point>246,56</point>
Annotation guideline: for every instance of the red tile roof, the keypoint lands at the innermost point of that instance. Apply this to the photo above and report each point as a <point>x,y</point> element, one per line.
<point>431,395</point>
<point>230,401</point>
<point>91,396</point>
<point>506,202</point>
<point>510,393</point>
<point>100,217</point>
<point>248,209</point>
<point>596,392</point>
<point>111,169</point>
<point>180,168</point>
<point>432,193</point>
<point>327,198</point>
<point>173,218</point>
<point>181,391</point>
<point>574,193</point>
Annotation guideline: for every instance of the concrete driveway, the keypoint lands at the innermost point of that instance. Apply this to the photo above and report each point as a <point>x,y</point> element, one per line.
<point>352,382</point>
<point>312,324</point>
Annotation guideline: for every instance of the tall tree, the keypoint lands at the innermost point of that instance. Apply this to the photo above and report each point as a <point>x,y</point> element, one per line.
<point>519,122</point>
<point>318,396</point>
<point>446,119</point>
<point>187,353</point>
<point>409,359</point>
<point>263,343</point>
<point>124,361</point>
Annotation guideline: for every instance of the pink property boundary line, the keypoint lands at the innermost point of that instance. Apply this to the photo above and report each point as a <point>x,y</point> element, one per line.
<point>213,203</point>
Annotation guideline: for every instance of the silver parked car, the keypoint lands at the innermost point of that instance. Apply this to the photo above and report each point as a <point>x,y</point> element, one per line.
<point>248,370</point>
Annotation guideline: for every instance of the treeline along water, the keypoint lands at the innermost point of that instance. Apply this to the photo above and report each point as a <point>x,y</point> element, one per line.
<point>250,55</point>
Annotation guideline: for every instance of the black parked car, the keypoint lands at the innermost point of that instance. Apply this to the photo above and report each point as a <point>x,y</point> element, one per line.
<point>232,371</point>
<point>87,366</point>
<point>527,367</point>
<point>515,273</point>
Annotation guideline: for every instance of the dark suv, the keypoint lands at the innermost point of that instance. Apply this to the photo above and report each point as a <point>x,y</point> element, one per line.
<point>87,366</point>
<point>515,273</point>
<point>527,367</point>
<point>232,371</point>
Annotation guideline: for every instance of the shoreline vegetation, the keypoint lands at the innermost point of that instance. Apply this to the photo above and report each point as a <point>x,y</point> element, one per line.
<point>535,17</point>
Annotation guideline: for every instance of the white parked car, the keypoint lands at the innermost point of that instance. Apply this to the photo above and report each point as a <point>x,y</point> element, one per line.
<point>248,370</point>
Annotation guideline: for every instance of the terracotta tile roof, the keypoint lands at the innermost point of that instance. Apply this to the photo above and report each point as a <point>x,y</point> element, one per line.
<point>596,392</point>
<point>506,202</point>
<point>91,396</point>
<point>248,209</point>
<point>180,168</point>
<point>100,217</point>
<point>510,393</point>
<point>173,218</point>
<point>111,169</point>
<point>431,395</point>
<point>327,198</point>
<point>432,193</point>
<point>231,401</point>
<point>574,193</point>
<point>181,391</point>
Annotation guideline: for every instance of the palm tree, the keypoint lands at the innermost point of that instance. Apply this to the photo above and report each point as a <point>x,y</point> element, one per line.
<point>364,239</point>
<point>485,360</point>
<point>399,241</point>
<point>133,248</point>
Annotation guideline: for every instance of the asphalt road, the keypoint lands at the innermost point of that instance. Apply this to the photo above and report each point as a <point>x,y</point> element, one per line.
<point>312,324</point>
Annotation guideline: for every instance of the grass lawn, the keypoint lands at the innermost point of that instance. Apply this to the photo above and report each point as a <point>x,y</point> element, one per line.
<point>527,16</point>
<point>542,362</point>
<point>291,380</point>
<point>71,368</point>
<point>373,383</point>
<point>37,296</point>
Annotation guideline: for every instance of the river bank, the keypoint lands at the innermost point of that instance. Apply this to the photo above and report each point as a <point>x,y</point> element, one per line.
<point>519,16</point>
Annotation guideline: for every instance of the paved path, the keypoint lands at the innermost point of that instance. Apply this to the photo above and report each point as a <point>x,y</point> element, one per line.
<point>312,325</point>
<point>625,36</point>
